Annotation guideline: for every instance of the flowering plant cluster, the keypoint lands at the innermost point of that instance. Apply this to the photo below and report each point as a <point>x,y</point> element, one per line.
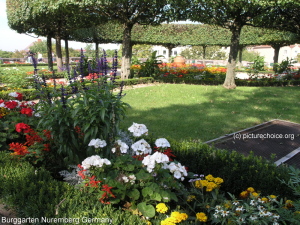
<point>191,71</point>
<point>35,147</point>
<point>13,111</point>
<point>253,209</point>
<point>135,175</point>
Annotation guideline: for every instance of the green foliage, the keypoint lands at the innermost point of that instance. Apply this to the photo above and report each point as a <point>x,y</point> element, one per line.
<point>34,193</point>
<point>284,66</point>
<point>96,111</point>
<point>5,54</point>
<point>197,52</point>
<point>31,192</point>
<point>150,68</point>
<point>249,56</point>
<point>141,51</point>
<point>250,171</point>
<point>258,64</point>
<point>39,46</point>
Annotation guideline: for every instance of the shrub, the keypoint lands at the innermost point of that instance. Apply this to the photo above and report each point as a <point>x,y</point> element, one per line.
<point>238,171</point>
<point>78,114</point>
<point>31,192</point>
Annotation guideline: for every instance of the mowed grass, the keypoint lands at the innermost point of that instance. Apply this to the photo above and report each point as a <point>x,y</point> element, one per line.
<point>195,112</point>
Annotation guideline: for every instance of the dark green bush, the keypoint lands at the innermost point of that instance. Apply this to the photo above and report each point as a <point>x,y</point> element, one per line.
<point>31,192</point>
<point>239,172</point>
<point>34,193</point>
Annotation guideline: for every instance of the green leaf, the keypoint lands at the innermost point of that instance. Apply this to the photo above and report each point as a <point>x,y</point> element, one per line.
<point>146,210</point>
<point>147,191</point>
<point>134,194</point>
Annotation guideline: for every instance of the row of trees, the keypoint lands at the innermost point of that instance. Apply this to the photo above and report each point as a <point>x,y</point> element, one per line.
<point>68,19</point>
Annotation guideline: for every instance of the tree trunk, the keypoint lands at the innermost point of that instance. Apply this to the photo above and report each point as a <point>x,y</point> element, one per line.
<point>67,55</point>
<point>169,53</point>
<point>49,52</point>
<point>276,56</point>
<point>240,62</point>
<point>97,50</point>
<point>59,61</point>
<point>126,51</point>
<point>204,51</point>
<point>229,82</point>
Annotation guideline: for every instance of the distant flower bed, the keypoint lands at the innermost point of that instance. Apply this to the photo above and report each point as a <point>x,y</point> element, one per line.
<point>195,71</point>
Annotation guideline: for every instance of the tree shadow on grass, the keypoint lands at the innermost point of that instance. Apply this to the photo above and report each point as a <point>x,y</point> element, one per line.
<point>218,112</point>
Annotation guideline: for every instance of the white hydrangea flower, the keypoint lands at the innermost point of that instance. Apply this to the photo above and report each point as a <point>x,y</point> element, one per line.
<point>97,143</point>
<point>125,179</point>
<point>94,160</point>
<point>123,146</point>
<point>178,170</point>
<point>138,129</point>
<point>141,147</point>
<point>162,143</point>
<point>2,105</point>
<point>151,160</point>
<point>113,150</point>
<point>13,94</point>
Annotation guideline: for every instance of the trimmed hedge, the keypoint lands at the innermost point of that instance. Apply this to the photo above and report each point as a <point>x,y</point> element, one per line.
<point>238,82</point>
<point>238,171</point>
<point>33,193</point>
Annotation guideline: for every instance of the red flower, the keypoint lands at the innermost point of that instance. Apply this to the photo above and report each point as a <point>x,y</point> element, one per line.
<point>47,134</point>
<point>32,137</point>
<point>11,104</point>
<point>47,147</point>
<point>167,152</point>
<point>19,97</point>
<point>107,190</point>
<point>27,111</point>
<point>22,127</point>
<point>93,182</point>
<point>139,157</point>
<point>19,149</point>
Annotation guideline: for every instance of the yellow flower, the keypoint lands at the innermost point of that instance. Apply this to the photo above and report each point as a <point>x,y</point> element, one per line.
<point>255,194</point>
<point>191,198</point>
<point>250,189</point>
<point>201,183</point>
<point>211,186</point>
<point>168,221</point>
<point>264,199</point>
<point>244,194</point>
<point>201,217</point>
<point>273,196</point>
<point>209,177</point>
<point>161,208</point>
<point>289,203</point>
<point>218,180</point>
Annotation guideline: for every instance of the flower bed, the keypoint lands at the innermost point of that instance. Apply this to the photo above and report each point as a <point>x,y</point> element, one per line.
<point>127,176</point>
<point>130,170</point>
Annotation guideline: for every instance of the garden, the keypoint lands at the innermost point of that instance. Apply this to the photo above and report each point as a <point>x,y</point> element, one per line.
<point>89,151</point>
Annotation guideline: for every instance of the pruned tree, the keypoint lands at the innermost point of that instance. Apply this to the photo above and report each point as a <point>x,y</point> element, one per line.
<point>229,14</point>
<point>128,13</point>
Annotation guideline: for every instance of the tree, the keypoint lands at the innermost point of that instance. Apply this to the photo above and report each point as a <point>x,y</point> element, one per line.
<point>142,51</point>
<point>128,13</point>
<point>229,14</point>
<point>39,46</point>
<point>50,18</point>
<point>6,54</point>
<point>201,52</point>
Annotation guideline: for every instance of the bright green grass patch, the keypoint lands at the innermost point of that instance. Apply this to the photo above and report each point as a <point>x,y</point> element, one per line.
<point>202,113</point>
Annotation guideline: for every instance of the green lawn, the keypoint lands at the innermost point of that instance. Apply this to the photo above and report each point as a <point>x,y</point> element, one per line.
<point>202,113</point>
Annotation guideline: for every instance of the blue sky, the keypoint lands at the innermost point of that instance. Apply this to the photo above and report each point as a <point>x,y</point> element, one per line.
<point>10,40</point>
